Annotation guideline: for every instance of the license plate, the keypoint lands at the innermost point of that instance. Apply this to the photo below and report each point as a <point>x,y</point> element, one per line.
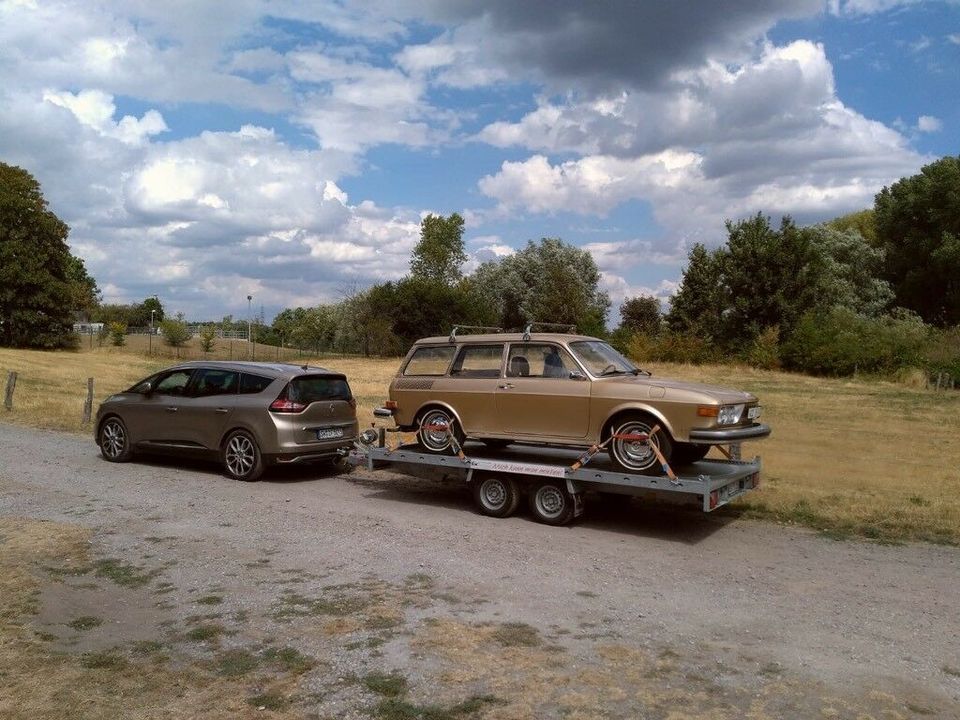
<point>753,413</point>
<point>329,433</point>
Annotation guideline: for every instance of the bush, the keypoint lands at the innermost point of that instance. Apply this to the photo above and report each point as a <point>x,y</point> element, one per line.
<point>671,347</point>
<point>943,353</point>
<point>118,334</point>
<point>764,351</point>
<point>175,332</point>
<point>841,342</point>
<point>208,338</point>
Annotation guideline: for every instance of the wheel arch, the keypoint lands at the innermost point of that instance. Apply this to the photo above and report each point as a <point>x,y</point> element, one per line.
<point>234,428</point>
<point>624,411</point>
<point>439,405</point>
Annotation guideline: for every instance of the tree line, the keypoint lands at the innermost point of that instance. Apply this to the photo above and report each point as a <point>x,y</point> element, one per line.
<point>875,290</point>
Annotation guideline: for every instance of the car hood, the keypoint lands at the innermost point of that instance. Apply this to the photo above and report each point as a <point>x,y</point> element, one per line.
<point>663,387</point>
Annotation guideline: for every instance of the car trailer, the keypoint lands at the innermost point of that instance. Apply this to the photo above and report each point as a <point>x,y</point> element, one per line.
<point>556,479</point>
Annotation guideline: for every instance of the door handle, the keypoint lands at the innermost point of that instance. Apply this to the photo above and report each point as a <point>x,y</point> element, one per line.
<point>505,386</point>
<point>222,411</point>
<point>171,409</point>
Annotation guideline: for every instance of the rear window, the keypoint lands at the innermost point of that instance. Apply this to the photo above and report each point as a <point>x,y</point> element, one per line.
<point>430,361</point>
<point>312,388</point>
<point>250,384</point>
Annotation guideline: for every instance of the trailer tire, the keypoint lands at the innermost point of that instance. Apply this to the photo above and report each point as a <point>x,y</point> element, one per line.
<point>550,503</point>
<point>496,495</point>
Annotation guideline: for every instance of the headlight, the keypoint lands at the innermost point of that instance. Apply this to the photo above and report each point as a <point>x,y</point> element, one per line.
<point>729,414</point>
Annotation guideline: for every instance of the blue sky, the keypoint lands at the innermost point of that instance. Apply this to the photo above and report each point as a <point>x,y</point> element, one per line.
<point>205,151</point>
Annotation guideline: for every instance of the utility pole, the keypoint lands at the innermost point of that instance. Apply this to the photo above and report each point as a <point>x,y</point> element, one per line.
<point>250,324</point>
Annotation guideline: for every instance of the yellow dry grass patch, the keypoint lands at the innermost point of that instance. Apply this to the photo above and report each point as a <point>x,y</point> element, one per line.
<point>40,684</point>
<point>848,456</point>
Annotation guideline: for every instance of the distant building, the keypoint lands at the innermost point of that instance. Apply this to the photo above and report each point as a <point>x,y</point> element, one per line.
<point>85,328</point>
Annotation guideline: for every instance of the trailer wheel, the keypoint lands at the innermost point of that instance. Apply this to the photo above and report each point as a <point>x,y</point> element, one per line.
<point>550,503</point>
<point>496,495</point>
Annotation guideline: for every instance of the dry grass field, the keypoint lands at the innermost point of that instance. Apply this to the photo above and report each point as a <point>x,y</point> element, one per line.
<point>855,457</point>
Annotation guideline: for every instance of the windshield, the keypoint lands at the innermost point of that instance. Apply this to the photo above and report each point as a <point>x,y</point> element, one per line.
<point>601,359</point>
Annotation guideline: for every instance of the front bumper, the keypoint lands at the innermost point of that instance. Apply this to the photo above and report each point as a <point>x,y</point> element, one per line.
<point>718,436</point>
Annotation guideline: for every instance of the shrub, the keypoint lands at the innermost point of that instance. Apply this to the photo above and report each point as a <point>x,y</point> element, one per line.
<point>671,347</point>
<point>175,332</point>
<point>118,334</point>
<point>841,342</point>
<point>208,337</point>
<point>764,351</point>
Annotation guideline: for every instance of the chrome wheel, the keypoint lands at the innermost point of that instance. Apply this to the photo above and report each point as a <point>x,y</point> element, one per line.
<point>635,454</point>
<point>113,439</point>
<point>435,430</point>
<point>241,457</point>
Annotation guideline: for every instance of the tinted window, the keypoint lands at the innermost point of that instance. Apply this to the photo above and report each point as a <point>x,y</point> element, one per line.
<point>478,361</point>
<point>430,361</point>
<point>311,388</point>
<point>141,387</point>
<point>542,361</point>
<point>174,383</point>
<point>250,384</point>
<point>215,382</point>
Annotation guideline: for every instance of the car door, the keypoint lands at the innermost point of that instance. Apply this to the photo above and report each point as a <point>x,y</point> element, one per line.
<point>471,386</point>
<point>153,418</point>
<point>538,396</point>
<point>206,408</point>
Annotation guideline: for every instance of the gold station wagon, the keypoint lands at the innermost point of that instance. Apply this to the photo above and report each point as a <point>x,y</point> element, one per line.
<point>561,389</point>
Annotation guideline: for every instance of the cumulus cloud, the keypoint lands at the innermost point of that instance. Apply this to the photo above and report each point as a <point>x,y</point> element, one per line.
<point>929,124</point>
<point>768,135</point>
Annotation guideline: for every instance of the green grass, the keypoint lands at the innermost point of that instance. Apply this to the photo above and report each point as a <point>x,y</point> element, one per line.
<point>399,709</point>
<point>203,633</point>
<point>124,574</point>
<point>103,661</point>
<point>209,600</point>
<point>389,685</point>
<point>236,662</point>
<point>85,622</point>
<point>517,635</point>
<point>289,660</point>
<point>293,605</point>
<point>270,700</point>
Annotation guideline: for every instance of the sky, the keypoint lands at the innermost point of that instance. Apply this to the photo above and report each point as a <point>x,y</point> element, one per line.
<point>207,151</point>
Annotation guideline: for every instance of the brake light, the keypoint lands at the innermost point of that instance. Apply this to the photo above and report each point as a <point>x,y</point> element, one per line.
<point>391,405</point>
<point>282,405</point>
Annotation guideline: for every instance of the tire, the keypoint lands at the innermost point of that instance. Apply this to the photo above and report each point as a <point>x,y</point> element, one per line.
<point>496,495</point>
<point>114,441</point>
<point>241,457</point>
<point>637,456</point>
<point>686,453</point>
<point>437,441</point>
<point>550,503</point>
<point>493,444</point>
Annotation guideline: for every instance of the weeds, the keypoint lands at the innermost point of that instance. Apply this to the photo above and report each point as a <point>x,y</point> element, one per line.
<point>123,574</point>
<point>85,622</point>
<point>517,635</point>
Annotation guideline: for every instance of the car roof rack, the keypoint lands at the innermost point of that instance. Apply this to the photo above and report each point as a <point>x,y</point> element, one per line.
<point>457,328</point>
<point>560,327</point>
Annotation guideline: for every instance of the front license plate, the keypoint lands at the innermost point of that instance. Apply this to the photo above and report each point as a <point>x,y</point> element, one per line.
<point>329,433</point>
<point>753,413</point>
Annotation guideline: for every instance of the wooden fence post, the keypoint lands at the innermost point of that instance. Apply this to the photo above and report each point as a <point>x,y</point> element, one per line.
<point>11,384</point>
<point>88,403</point>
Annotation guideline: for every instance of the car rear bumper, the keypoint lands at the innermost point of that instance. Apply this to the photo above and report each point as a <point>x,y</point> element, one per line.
<point>382,412</point>
<point>313,455</point>
<point>716,436</point>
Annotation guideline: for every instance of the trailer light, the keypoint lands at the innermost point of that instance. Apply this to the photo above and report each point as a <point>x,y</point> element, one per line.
<point>714,499</point>
<point>707,410</point>
<point>368,437</point>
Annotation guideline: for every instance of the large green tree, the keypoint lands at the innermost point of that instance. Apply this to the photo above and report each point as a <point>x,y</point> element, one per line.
<point>39,280</point>
<point>440,252</point>
<point>641,314</point>
<point>918,225</point>
<point>549,282</point>
<point>698,305</point>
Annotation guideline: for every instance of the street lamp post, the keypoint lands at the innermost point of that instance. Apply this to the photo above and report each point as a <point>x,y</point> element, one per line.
<point>150,341</point>
<point>250,324</point>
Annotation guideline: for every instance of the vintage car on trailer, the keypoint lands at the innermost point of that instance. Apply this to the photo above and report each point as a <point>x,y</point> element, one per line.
<point>566,390</point>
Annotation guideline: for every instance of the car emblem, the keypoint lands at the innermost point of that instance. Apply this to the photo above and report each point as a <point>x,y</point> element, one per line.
<point>330,409</point>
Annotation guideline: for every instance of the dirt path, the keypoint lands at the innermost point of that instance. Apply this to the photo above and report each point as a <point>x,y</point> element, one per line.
<point>631,612</point>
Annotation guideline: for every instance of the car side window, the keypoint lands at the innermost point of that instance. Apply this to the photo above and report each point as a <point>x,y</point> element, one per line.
<point>478,361</point>
<point>209,381</point>
<point>539,361</point>
<point>173,383</point>
<point>430,361</point>
<point>252,384</point>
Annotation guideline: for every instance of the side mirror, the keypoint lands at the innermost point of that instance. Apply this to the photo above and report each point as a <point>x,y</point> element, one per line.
<point>148,389</point>
<point>577,375</point>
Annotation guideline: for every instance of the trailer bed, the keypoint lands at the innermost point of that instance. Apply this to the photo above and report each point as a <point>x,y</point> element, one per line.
<point>710,483</point>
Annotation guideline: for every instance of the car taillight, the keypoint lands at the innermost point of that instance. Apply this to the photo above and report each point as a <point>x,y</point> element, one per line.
<point>282,405</point>
<point>391,405</point>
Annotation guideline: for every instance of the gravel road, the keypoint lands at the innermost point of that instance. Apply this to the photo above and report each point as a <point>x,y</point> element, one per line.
<point>735,612</point>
